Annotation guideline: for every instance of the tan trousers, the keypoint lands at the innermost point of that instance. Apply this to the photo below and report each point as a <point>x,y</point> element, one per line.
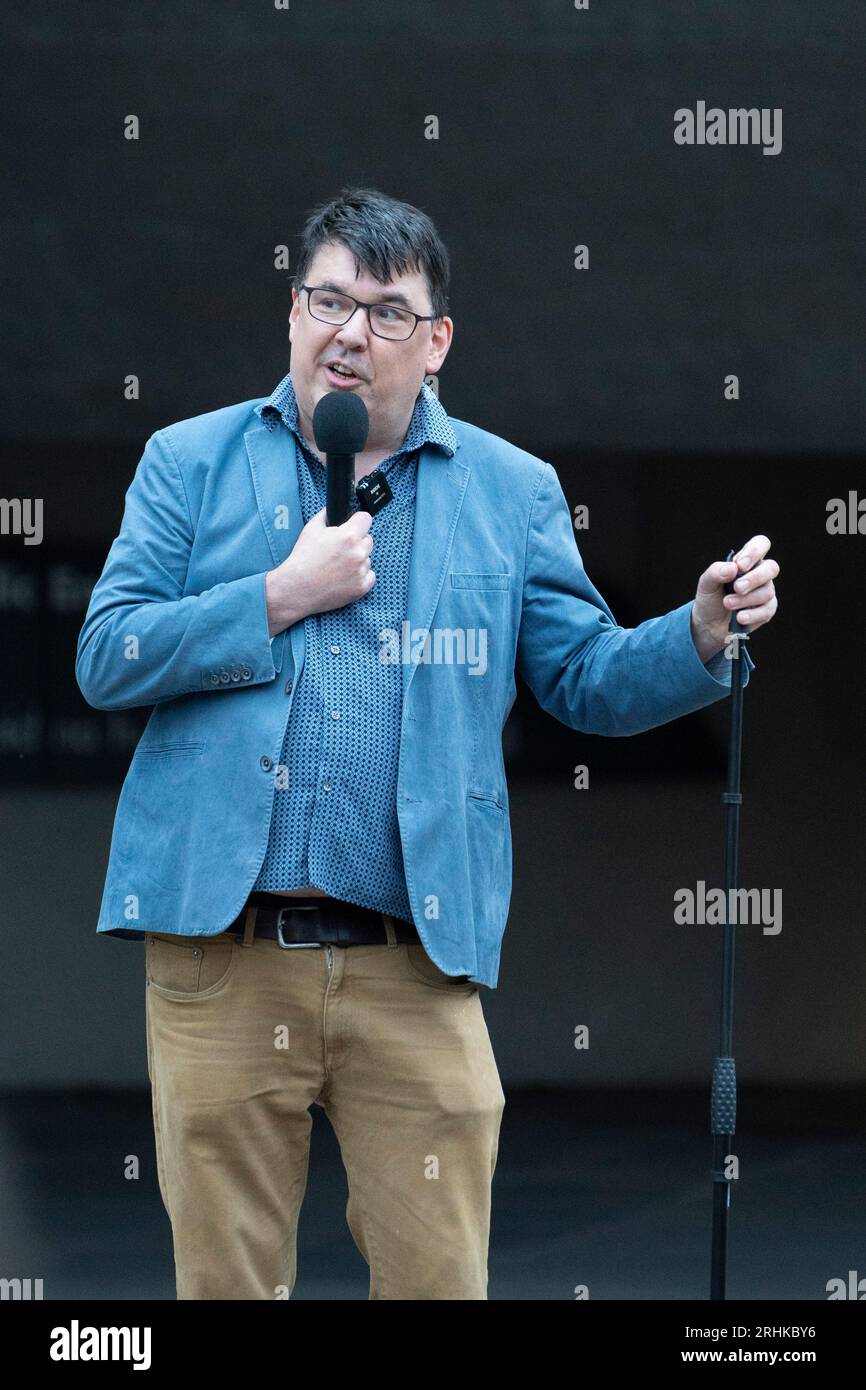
<point>243,1036</point>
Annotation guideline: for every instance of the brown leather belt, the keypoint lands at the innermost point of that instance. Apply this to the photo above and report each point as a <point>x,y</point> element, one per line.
<point>318,922</point>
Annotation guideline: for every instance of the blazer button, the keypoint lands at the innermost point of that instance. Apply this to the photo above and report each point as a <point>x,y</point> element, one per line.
<point>265,763</point>
<point>246,673</point>
<point>214,678</point>
<point>236,675</point>
<point>289,685</point>
<point>225,677</point>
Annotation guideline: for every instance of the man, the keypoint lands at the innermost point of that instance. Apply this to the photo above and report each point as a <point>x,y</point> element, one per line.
<point>313,835</point>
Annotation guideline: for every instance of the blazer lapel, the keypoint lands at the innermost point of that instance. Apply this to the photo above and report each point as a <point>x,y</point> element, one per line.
<point>440,489</point>
<point>271,455</point>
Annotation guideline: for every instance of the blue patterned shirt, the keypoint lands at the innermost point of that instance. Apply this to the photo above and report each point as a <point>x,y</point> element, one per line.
<point>334,823</point>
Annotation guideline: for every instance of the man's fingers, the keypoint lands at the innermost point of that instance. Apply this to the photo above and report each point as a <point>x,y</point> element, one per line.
<point>758,574</point>
<point>755,617</point>
<point>762,594</point>
<point>719,572</point>
<point>753,550</point>
<point>725,571</point>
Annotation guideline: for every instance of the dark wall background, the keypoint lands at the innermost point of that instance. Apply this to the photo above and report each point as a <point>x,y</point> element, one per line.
<point>156,258</point>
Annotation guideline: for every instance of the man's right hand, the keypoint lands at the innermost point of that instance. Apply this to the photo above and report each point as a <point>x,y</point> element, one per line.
<point>329,566</point>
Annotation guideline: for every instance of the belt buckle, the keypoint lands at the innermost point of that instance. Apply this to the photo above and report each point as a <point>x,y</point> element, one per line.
<point>293,945</point>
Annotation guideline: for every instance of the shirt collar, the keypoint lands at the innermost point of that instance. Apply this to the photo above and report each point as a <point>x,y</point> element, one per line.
<point>429,423</point>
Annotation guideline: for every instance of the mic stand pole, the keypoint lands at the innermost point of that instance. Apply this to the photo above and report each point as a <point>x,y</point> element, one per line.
<point>723,1108</point>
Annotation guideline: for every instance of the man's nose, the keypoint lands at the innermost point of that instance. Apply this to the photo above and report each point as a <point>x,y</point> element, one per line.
<point>357,328</point>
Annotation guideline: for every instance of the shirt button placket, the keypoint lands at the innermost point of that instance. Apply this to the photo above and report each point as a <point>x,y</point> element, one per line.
<point>330,621</point>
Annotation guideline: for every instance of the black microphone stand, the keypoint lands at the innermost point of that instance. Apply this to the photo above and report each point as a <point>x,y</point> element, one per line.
<point>723,1107</point>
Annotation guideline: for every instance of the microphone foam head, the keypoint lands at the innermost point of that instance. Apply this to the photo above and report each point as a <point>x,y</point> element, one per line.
<point>340,423</point>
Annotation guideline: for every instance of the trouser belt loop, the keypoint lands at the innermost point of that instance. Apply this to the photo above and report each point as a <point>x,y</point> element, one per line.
<point>250,924</point>
<point>389,929</point>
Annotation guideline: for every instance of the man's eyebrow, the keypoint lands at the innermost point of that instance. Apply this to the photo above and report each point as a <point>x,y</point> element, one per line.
<point>392,296</point>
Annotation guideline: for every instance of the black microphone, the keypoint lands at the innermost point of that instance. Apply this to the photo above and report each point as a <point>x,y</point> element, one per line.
<point>340,426</point>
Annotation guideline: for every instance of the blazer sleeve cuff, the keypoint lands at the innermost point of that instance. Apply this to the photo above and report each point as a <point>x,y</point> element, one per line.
<point>246,657</point>
<point>714,674</point>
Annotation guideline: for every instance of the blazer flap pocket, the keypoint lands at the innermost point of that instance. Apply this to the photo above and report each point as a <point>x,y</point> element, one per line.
<point>479,581</point>
<point>182,748</point>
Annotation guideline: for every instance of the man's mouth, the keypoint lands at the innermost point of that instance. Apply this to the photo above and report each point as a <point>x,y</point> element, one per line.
<point>340,374</point>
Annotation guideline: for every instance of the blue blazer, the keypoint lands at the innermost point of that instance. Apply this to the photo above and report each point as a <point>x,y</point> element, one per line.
<point>178,620</point>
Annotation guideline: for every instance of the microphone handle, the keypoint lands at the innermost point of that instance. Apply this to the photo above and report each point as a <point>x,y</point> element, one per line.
<point>340,483</point>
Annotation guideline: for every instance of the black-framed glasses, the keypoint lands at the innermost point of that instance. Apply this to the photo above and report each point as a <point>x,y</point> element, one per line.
<point>385,320</point>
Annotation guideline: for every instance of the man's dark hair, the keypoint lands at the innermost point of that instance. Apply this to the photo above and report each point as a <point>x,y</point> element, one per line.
<point>385,236</point>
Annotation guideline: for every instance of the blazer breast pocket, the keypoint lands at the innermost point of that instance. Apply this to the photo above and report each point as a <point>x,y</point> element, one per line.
<point>464,580</point>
